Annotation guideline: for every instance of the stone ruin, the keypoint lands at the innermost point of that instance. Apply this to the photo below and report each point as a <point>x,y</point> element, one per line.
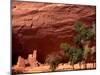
<point>19,67</point>
<point>21,62</point>
<point>32,60</point>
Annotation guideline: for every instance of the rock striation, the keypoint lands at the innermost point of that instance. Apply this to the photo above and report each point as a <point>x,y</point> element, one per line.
<point>43,26</point>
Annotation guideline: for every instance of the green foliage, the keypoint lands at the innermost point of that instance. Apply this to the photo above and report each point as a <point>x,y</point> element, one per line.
<point>65,47</point>
<point>79,27</point>
<point>53,61</point>
<point>54,65</point>
<point>88,34</point>
<point>83,32</point>
<point>75,55</point>
<point>77,40</point>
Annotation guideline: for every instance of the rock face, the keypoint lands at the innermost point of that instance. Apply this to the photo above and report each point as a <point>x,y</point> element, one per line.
<point>43,26</point>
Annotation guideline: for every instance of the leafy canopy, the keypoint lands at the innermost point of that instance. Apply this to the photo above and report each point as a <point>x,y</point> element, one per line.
<point>75,55</point>
<point>83,33</point>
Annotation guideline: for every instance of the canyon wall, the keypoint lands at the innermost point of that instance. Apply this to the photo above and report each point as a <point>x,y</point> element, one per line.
<point>44,26</point>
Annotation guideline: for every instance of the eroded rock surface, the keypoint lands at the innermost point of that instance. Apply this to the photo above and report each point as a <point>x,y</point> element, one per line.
<point>43,26</point>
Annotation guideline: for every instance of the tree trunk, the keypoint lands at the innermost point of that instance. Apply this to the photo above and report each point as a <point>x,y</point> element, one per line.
<point>80,65</point>
<point>85,65</point>
<point>73,66</point>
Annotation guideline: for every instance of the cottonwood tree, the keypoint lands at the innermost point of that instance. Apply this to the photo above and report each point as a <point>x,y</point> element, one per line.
<point>65,47</point>
<point>83,36</point>
<point>75,55</point>
<point>82,40</point>
<point>53,61</point>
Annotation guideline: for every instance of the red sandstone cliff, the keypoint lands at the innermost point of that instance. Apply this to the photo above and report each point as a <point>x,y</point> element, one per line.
<point>43,26</point>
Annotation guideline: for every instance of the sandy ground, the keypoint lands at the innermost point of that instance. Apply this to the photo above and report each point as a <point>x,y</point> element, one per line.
<point>45,68</point>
